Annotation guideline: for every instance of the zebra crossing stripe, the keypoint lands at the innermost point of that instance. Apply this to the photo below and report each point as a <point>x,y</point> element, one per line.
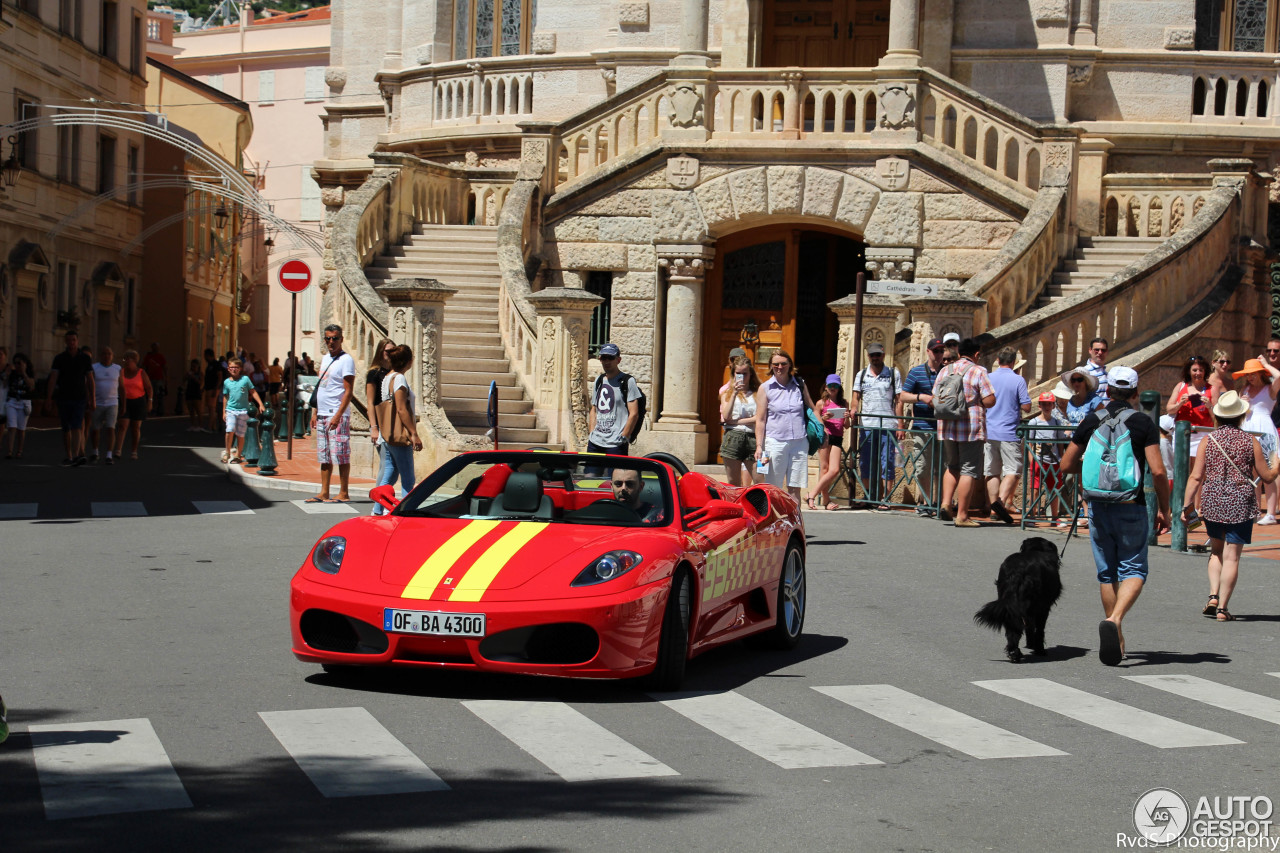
<point>104,768</point>
<point>117,509</point>
<point>570,744</point>
<point>222,507</point>
<point>345,752</point>
<point>1218,695</point>
<point>937,722</point>
<point>764,731</point>
<point>324,509</point>
<point>18,510</point>
<point>1105,714</point>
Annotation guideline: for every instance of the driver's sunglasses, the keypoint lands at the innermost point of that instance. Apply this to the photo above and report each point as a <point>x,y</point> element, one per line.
<point>329,340</point>
<point>608,358</point>
<point>779,364</point>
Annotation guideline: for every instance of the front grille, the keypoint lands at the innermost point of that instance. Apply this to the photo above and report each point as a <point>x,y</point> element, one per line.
<point>327,631</point>
<point>558,643</point>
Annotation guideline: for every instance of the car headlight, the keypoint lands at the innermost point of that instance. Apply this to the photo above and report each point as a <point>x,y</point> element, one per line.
<point>606,567</point>
<point>327,557</point>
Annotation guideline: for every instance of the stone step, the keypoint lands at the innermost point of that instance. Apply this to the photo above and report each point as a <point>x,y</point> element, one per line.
<point>1124,241</point>
<point>461,417</point>
<point>478,378</point>
<point>471,351</point>
<point>516,436</point>
<point>447,258</point>
<point>468,339</point>
<point>432,228</point>
<point>1110,265</point>
<point>474,365</point>
<point>507,390</point>
<point>1112,250</point>
<point>1065,278</point>
<point>467,253</point>
<point>480,404</point>
<point>483,325</point>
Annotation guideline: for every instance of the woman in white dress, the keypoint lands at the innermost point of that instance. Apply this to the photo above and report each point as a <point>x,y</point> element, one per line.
<point>1262,386</point>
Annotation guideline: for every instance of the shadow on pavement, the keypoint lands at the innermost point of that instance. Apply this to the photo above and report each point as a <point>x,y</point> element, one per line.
<point>1154,658</point>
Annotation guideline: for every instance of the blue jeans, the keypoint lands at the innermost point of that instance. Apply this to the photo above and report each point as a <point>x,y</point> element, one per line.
<point>876,457</point>
<point>1119,537</point>
<point>397,463</point>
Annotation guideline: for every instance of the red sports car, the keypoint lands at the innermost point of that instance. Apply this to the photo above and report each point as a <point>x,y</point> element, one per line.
<point>555,564</point>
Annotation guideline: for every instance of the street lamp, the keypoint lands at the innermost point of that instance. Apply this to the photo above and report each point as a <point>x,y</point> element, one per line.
<point>220,217</point>
<point>11,167</point>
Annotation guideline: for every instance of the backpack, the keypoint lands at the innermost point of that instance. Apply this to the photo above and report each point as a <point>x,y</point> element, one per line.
<point>642,402</point>
<point>1111,472</point>
<point>949,400</point>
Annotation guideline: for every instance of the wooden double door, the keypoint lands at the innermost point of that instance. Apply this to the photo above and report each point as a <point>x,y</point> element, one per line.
<point>824,33</point>
<point>777,279</point>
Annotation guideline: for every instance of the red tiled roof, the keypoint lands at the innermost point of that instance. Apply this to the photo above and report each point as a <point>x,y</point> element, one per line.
<point>323,13</point>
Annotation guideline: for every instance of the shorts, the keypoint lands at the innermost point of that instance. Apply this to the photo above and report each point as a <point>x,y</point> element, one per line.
<point>964,458</point>
<point>71,414</point>
<point>18,411</point>
<point>1119,538</point>
<point>135,409</point>
<point>104,417</point>
<point>237,422</point>
<point>273,387</point>
<point>788,462</point>
<point>1240,533</point>
<point>738,445</point>
<point>1044,475</point>
<point>1001,458</point>
<point>333,446</point>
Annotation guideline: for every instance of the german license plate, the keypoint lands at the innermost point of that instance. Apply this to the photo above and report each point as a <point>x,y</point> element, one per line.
<point>433,622</point>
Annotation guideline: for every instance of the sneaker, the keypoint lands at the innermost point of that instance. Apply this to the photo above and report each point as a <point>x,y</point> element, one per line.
<point>93,459</point>
<point>1001,513</point>
<point>110,461</point>
<point>1267,519</point>
<point>66,463</point>
<point>223,457</point>
<point>924,512</point>
<point>78,461</point>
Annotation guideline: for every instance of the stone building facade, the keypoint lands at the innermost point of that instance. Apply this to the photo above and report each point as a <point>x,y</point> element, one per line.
<point>685,176</point>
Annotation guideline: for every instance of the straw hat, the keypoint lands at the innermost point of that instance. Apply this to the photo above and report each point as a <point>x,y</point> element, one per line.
<point>1061,391</point>
<point>1250,366</point>
<point>1089,379</point>
<point>1230,406</point>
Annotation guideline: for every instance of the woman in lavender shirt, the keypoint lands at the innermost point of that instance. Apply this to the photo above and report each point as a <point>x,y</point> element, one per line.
<point>780,436</point>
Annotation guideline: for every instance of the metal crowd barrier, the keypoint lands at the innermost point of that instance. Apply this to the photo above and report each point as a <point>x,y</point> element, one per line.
<point>916,478</point>
<point>1048,495</point>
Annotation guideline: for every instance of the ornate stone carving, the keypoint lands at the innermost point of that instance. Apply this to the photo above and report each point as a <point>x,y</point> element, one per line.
<point>533,159</point>
<point>686,105</point>
<point>577,333</point>
<point>335,77</point>
<point>332,196</point>
<point>548,341</point>
<point>427,358</point>
<point>894,173</point>
<point>399,324</point>
<point>872,335</point>
<point>1080,73</point>
<point>688,263</point>
<point>1179,38</point>
<point>1057,165</point>
<point>424,54</point>
<point>632,14</point>
<point>610,75</point>
<point>543,42</point>
<point>472,159</point>
<point>844,345</point>
<point>897,107</point>
<point>682,171</point>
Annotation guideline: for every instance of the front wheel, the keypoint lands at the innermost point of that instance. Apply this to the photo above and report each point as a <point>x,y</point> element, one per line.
<point>792,600</point>
<point>673,641</point>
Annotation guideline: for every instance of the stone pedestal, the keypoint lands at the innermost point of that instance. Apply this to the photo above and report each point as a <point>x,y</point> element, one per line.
<point>415,317</point>
<point>560,372</point>
<point>685,268</point>
<point>935,316</point>
<point>879,326</point>
<point>1091,165</point>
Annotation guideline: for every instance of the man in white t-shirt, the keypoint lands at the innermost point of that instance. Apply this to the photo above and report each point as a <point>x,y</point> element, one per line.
<point>877,393</point>
<point>331,420</point>
<point>106,394</point>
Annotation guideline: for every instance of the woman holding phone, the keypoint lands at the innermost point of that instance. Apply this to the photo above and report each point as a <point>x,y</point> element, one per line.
<point>738,414</point>
<point>1192,398</point>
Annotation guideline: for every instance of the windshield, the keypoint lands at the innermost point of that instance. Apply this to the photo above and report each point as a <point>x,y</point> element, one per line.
<point>549,487</point>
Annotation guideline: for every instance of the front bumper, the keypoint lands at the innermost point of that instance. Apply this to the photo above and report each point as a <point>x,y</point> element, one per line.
<point>606,636</point>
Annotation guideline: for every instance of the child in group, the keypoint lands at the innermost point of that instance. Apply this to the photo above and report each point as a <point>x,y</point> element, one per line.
<point>21,384</point>
<point>1167,424</point>
<point>833,411</point>
<point>1048,453</point>
<point>237,391</point>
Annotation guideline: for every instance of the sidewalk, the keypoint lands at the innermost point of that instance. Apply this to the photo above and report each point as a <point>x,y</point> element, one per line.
<point>300,474</point>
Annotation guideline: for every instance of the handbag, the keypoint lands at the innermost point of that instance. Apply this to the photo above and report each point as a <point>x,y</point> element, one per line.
<point>394,433</point>
<point>814,431</point>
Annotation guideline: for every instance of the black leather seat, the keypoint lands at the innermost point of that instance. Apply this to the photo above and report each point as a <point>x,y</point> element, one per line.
<point>522,497</point>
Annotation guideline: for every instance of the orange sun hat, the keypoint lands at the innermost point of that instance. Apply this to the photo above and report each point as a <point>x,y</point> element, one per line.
<point>1250,366</point>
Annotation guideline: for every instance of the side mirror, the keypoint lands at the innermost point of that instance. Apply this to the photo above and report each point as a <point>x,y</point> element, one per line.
<point>385,495</point>
<point>714,510</point>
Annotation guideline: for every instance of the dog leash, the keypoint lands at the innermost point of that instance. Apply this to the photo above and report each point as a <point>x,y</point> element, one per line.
<point>1075,519</point>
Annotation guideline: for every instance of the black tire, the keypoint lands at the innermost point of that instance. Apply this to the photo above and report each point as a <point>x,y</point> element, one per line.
<point>671,459</point>
<point>673,642</point>
<point>791,605</point>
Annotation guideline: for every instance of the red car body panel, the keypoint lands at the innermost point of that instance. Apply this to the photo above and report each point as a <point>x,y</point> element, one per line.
<point>519,574</point>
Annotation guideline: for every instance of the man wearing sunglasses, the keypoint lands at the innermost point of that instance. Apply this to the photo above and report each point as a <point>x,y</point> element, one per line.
<point>917,389</point>
<point>614,409</point>
<point>1097,366</point>
<point>331,419</point>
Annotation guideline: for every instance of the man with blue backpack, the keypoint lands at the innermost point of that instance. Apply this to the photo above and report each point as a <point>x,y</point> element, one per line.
<point>1112,449</point>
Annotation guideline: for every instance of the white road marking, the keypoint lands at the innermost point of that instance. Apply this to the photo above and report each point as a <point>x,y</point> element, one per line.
<point>104,768</point>
<point>1106,714</point>
<point>764,731</point>
<point>18,510</point>
<point>947,726</point>
<point>1218,695</point>
<point>566,741</point>
<point>222,507</point>
<point>347,753</point>
<point>117,509</point>
<point>320,509</point>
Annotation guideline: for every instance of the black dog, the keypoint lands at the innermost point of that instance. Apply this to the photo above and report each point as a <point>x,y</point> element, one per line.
<point>1028,587</point>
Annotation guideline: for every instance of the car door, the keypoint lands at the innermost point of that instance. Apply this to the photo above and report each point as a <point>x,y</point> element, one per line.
<point>730,562</point>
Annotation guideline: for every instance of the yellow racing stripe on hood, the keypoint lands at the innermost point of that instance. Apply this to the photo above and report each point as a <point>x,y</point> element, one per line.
<point>482,572</point>
<point>430,573</point>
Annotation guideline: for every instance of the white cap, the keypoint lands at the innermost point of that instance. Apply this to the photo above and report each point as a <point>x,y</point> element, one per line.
<point>1122,377</point>
<point>1167,423</point>
<point>951,338</point>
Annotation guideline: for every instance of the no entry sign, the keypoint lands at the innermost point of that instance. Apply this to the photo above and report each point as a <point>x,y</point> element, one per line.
<point>294,276</point>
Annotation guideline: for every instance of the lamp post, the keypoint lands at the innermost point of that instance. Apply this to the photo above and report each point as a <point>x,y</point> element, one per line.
<point>11,166</point>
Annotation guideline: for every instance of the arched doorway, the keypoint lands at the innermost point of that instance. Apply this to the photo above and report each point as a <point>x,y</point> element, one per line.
<point>824,33</point>
<point>777,279</point>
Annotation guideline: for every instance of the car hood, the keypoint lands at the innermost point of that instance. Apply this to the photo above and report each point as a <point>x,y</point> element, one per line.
<point>461,559</point>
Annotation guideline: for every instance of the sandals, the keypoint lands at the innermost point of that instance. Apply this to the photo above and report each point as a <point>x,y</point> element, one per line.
<point>1224,615</point>
<point>1211,609</point>
<point>811,504</point>
<point>833,506</point>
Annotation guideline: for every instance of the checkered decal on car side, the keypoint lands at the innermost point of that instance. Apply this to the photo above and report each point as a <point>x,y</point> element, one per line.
<point>740,563</point>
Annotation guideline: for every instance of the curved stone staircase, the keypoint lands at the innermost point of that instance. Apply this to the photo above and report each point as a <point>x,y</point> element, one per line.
<point>1094,259</point>
<point>464,257</point>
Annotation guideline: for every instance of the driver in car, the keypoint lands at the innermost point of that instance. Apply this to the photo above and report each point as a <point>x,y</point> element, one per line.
<point>626,490</point>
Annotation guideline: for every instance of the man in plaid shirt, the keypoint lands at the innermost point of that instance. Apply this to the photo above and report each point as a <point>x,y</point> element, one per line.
<point>963,439</point>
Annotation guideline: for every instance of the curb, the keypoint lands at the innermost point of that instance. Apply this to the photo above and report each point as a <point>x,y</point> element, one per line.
<point>259,483</point>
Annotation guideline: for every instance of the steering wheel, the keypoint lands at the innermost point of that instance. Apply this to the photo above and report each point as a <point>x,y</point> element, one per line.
<point>608,509</point>
<point>671,459</point>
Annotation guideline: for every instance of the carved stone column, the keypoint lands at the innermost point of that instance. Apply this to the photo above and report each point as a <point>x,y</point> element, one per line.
<point>560,372</point>
<point>952,310</point>
<point>904,34</point>
<point>681,369</point>
<point>880,315</point>
<point>693,34</point>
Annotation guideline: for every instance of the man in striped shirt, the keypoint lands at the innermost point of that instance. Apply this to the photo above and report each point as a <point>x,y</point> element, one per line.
<point>1097,367</point>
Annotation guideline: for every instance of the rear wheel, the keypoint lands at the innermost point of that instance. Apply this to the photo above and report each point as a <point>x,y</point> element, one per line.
<point>792,599</point>
<point>673,642</point>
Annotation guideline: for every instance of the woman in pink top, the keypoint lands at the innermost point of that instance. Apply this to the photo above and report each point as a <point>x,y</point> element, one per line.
<point>781,443</point>
<point>135,396</point>
<point>833,411</point>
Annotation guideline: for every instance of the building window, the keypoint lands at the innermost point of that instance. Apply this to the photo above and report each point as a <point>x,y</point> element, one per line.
<point>109,45</point>
<point>266,87</point>
<point>69,153</point>
<point>601,284</point>
<point>133,174</point>
<point>131,298</point>
<point>106,164</point>
<point>31,7</point>
<point>70,13</point>
<point>308,313</point>
<point>312,210</point>
<point>1245,26</point>
<point>315,83</point>
<point>492,27</point>
<point>135,44</point>
<point>67,275</point>
<point>28,139</point>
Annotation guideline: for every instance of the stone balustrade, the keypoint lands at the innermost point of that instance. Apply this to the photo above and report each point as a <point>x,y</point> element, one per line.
<point>748,104</point>
<point>610,129</point>
<point>1134,305</point>
<point>516,316</point>
<point>1239,89</point>
<point>1142,205</point>
<point>474,91</point>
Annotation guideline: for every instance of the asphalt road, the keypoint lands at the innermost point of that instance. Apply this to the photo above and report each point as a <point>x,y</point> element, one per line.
<point>168,631</point>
